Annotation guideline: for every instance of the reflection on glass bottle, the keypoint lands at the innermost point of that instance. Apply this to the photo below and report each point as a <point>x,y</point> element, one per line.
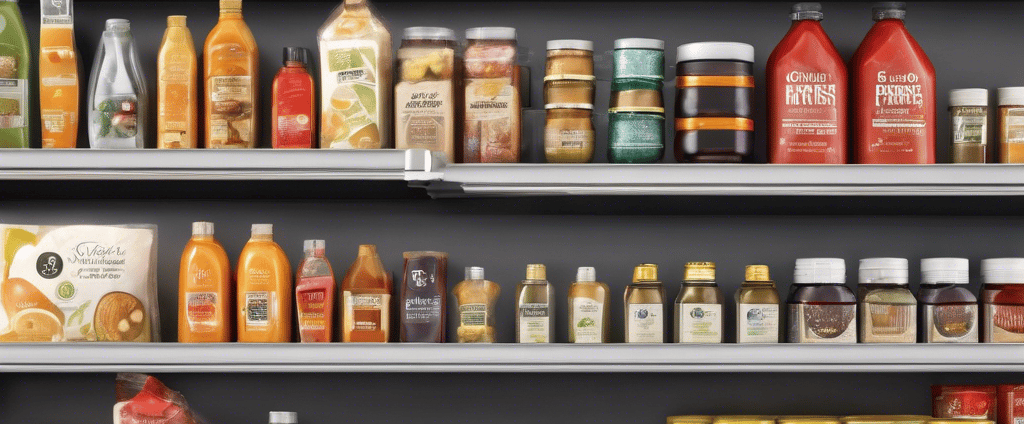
<point>821,308</point>
<point>117,91</point>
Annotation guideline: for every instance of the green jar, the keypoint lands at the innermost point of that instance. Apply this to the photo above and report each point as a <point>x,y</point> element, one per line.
<point>636,114</point>
<point>636,137</point>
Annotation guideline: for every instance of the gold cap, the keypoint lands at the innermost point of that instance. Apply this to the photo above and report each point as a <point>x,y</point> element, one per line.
<point>536,272</point>
<point>690,419</point>
<point>699,271</point>
<point>176,21</point>
<point>645,272</point>
<point>232,5</point>
<point>757,273</point>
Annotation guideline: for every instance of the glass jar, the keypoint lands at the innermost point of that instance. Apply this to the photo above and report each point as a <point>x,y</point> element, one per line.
<point>1011,125</point>
<point>644,305</point>
<point>569,134</point>
<point>569,58</point>
<point>968,123</point>
<point>757,307</point>
<point>1002,298</point>
<point>475,299</point>
<point>949,311</point>
<point>714,102</point>
<point>425,95</point>
<point>698,311</point>
<point>577,89</point>
<point>888,310</point>
<point>636,113</point>
<point>821,308</point>
<point>493,131</point>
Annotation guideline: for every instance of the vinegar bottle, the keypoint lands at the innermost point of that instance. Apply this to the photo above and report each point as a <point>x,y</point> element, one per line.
<point>294,102</point>
<point>894,93</point>
<point>58,75</point>
<point>314,294</point>
<point>264,290</point>
<point>204,289</point>
<point>806,94</point>
<point>118,99</point>
<point>177,120</point>
<point>366,299</point>
<point>232,65</point>
<point>15,61</point>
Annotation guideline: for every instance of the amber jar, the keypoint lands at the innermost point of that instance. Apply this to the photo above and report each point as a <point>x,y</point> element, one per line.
<point>569,134</point>
<point>821,308</point>
<point>1002,300</point>
<point>1011,125</point>
<point>968,123</point>
<point>948,309</point>
<point>569,57</point>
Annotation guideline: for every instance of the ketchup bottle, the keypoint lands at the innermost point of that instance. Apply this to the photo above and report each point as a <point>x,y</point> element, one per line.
<point>894,93</point>
<point>293,108</point>
<point>807,97</point>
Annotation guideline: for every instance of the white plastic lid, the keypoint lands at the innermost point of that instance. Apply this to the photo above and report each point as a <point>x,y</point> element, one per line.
<point>715,50</point>
<point>474,273</point>
<point>586,274</point>
<point>571,45</point>
<point>639,43</point>
<point>1003,270</point>
<point>202,228</point>
<point>284,417</point>
<point>968,97</point>
<point>883,271</point>
<point>491,33</point>
<point>118,25</point>
<point>428,33</point>
<point>820,271</point>
<point>262,229</point>
<point>945,271</point>
<point>1011,96</point>
<point>314,245</point>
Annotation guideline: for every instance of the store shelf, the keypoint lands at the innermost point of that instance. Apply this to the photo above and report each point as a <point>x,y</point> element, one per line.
<point>173,357</point>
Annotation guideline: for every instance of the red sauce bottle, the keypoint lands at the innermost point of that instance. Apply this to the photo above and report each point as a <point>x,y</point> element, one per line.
<point>894,93</point>
<point>293,109</point>
<point>807,95</point>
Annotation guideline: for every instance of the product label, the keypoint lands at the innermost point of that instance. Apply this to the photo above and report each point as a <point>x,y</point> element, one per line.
<point>231,117</point>
<point>882,323</point>
<point>473,314</point>
<point>116,116</point>
<point>899,110</point>
<point>757,323</point>
<point>350,94</point>
<point>1013,125</point>
<point>424,100</point>
<point>970,124</point>
<point>294,112</point>
<point>822,323</point>
<point>492,119</point>
<point>645,323</point>
<point>257,308</point>
<point>175,106</point>
<point>312,305</point>
<point>698,323</point>
<point>810,116</point>
<point>534,323</point>
<point>950,323</point>
<point>1004,323</point>
<point>13,95</point>
<point>201,311</point>
<point>366,312</point>
<point>423,296</point>
<point>560,141</point>
<point>587,320</point>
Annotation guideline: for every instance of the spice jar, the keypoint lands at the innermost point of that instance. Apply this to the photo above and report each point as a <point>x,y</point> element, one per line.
<point>888,310</point>
<point>636,113</point>
<point>425,96</point>
<point>644,305</point>
<point>757,307</point>
<point>492,103</point>
<point>821,308</point>
<point>714,102</point>
<point>1002,299</point>
<point>569,134</point>
<point>1011,125</point>
<point>589,308</point>
<point>968,115</point>
<point>475,300</point>
<point>949,311</point>
<point>698,311</point>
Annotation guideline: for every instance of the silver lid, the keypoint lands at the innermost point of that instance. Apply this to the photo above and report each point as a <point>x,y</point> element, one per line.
<point>428,33</point>
<point>474,273</point>
<point>571,45</point>
<point>968,97</point>
<point>262,229</point>
<point>491,33</point>
<point>284,417</point>
<point>586,274</point>
<point>889,10</point>
<point>202,228</point>
<point>639,43</point>
<point>118,25</point>
<point>715,50</point>
<point>806,12</point>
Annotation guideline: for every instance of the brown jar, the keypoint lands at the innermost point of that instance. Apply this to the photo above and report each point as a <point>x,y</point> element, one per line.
<point>569,134</point>
<point>579,89</point>
<point>570,57</point>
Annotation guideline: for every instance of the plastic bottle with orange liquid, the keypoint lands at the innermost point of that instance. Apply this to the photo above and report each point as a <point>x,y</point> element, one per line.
<point>58,75</point>
<point>232,64</point>
<point>177,118</point>
<point>366,299</point>
<point>204,289</point>
<point>264,290</point>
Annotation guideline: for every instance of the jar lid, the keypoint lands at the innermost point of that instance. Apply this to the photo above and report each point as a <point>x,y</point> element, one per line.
<point>806,12</point>
<point>699,271</point>
<point>883,271</point>
<point>819,271</point>
<point>297,54</point>
<point>491,33</point>
<point>757,273</point>
<point>262,229</point>
<point>645,272</point>
<point>639,43</point>
<point>428,33</point>
<point>889,10</point>
<point>586,274</point>
<point>571,45</point>
<point>283,417</point>
<point>118,25</point>
<point>314,246</point>
<point>968,97</point>
<point>474,273</point>
<point>945,271</point>
<point>1003,270</point>
<point>586,106</point>
<point>1011,96</point>
<point>715,50</point>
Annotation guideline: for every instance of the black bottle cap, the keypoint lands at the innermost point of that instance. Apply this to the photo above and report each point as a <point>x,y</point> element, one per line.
<point>806,11</point>
<point>297,54</point>
<point>889,10</point>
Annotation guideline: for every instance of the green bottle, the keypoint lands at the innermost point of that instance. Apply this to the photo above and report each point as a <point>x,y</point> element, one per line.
<point>15,60</point>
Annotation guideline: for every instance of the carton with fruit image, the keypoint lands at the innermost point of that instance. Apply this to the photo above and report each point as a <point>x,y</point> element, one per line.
<point>78,283</point>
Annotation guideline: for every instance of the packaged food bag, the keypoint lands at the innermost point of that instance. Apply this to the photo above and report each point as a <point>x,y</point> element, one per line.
<point>142,399</point>
<point>78,283</point>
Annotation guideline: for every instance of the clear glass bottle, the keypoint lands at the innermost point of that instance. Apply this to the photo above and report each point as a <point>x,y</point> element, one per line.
<point>698,311</point>
<point>589,308</point>
<point>968,123</point>
<point>535,309</point>
<point>757,307</point>
<point>426,95</point>
<point>644,305</point>
<point>949,311</point>
<point>821,308</point>
<point>475,299</point>
<point>118,101</point>
<point>888,309</point>
<point>314,294</point>
<point>1002,299</point>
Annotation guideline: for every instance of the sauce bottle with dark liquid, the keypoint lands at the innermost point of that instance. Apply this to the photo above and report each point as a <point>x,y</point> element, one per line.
<point>422,306</point>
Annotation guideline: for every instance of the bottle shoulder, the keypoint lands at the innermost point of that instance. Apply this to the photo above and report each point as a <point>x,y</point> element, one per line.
<point>882,42</point>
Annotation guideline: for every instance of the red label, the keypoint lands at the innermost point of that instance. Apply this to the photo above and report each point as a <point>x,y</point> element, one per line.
<point>1011,404</point>
<point>314,301</point>
<point>293,105</point>
<point>977,402</point>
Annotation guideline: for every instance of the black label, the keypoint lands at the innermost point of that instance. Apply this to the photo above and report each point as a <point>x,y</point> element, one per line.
<point>49,265</point>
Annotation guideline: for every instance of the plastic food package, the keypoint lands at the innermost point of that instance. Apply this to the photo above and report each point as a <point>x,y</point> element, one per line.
<point>142,399</point>
<point>78,283</point>
<point>973,402</point>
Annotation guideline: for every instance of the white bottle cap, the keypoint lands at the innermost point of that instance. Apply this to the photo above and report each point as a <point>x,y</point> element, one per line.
<point>1011,96</point>
<point>1003,270</point>
<point>202,228</point>
<point>715,50</point>
<point>820,271</point>
<point>284,417</point>
<point>945,271</point>
<point>883,271</point>
<point>262,229</point>
<point>474,273</point>
<point>571,45</point>
<point>968,97</point>
<point>491,33</point>
<point>639,43</point>
<point>118,25</point>
<point>428,33</point>
<point>309,246</point>
<point>586,274</point>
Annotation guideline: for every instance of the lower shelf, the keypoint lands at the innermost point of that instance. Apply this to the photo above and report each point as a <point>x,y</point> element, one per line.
<point>337,357</point>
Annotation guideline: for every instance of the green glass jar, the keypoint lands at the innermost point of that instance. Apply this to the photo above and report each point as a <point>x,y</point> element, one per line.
<point>636,114</point>
<point>636,137</point>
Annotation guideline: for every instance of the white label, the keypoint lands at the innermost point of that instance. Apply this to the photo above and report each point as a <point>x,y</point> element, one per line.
<point>257,308</point>
<point>822,323</point>
<point>352,110</point>
<point>757,323</point>
<point>645,323</point>
<point>1003,323</point>
<point>587,320</point>
<point>698,323</point>
<point>534,323</point>
<point>950,323</point>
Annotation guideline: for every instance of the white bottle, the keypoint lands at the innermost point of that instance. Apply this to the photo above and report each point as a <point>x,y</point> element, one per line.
<point>118,100</point>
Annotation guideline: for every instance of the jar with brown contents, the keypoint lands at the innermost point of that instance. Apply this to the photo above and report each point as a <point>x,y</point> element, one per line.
<point>1011,125</point>
<point>426,93</point>
<point>968,114</point>
<point>475,300</point>
<point>569,134</point>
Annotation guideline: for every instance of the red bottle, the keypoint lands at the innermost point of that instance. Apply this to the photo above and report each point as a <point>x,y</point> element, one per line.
<point>807,97</point>
<point>893,85</point>
<point>293,109</point>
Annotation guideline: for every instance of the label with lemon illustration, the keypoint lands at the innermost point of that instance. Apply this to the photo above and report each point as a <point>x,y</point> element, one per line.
<point>350,95</point>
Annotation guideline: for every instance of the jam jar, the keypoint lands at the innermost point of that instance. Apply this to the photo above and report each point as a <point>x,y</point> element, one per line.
<point>1002,298</point>
<point>821,308</point>
<point>948,309</point>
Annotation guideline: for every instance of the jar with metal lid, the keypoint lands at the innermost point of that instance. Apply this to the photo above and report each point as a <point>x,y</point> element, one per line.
<point>492,131</point>
<point>949,310</point>
<point>569,58</point>
<point>757,307</point>
<point>698,311</point>
<point>968,123</point>
<point>821,308</point>
<point>644,306</point>
<point>569,133</point>
<point>425,95</point>
<point>888,309</point>
<point>1002,300</point>
<point>636,113</point>
<point>714,102</point>
<point>1011,125</point>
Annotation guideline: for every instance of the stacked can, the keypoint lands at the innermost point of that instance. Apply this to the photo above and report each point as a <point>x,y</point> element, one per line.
<point>569,101</point>
<point>636,113</point>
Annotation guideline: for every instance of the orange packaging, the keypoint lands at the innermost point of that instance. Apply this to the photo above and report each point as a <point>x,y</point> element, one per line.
<point>232,63</point>
<point>177,122</point>
<point>264,290</point>
<point>366,299</point>
<point>204,289</point>
<point>58,75</point>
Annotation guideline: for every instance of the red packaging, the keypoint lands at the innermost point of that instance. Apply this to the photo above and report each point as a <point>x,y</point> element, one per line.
<point>1011,404</point>
<point>976,402</point>
<point>142,399</point>
<point>293,109</point>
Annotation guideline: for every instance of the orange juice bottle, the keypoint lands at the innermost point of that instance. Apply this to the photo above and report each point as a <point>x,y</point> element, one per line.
<point>232,64</point>
<point>58,75</point>
<point>204,289</point>
<point>366,299</point>
<point>264,290</point>
<point>177,121</point>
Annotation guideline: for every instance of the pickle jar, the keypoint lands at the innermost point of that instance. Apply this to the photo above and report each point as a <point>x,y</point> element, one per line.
<point>425,95</point>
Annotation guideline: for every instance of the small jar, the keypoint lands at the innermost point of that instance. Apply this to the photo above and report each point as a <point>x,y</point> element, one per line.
<point>821,308</point>
<point>698,311</point>
<point>636,114</point>
<point>949,311</point>
<point>569,133</point>
<point>492,132</point>
<point>569,58</point>
<point>644,306</point>
<point>475,300</point>
<point>425,95</point>
<point>1002,299</point>
<point>1011,125</point>
<point>757,307</point>
<point>635,136</point>
<point>714,102</point>
<point>888,309</point>
<point>968,123</point>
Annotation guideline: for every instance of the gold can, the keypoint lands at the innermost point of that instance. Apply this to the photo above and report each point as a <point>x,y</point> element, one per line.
<point>959,421</point>
<point>885,419</point>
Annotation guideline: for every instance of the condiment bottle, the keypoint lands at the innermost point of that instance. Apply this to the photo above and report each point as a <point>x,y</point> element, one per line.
<point>968,125</point>
<point>204,289</point>
<point>644,304</point>
<point>698,311</point>
<point>757,307</point>
<point>232,64</point>
<point>888,310</point>
<point>315,292</point>
<point>807,98</point>
<point>293,108</point>
<point>426,99</point>
<point>569,97</point>
<point>264,290</point>
<point>355,78</point>
<point>422,307</point>
<point>15,61</point>
<point>58,75</point>
<point>1011,125</point>
<point>535,307</point>
<point>589,308</point>
<point>475,300</point>
<point>492,102</point>
<point>177,120</point>
<point>893,86</point>
<point>949,311</point>
<point>366,299</point>
<point>821,308</point>
<point>1002,300</point>
<point>636,111</point>
<point>118,101</point>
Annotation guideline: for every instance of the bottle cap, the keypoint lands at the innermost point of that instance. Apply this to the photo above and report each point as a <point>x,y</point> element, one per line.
<point>968,97</point>
<point>297,54</point>
<point>202,228</point>
<point>118,25</point>
<point>819,271</point>
<point>645,272</point>
<point>536,272</point>
<point>428,33</point>
<point>314,246</point>
<point>889,10</point>
<point>571,45</point>
<point>883,271</point>
<point>474,273</point>
<point>945,271</point>
<point>1011,96</point>
<point>262,229</point>
<point>284,417</point>
<point>699,271</point>
<point>639,43</point>
<point>586,274</point>
<point>176,20</point>
<point>1003,270</point>
<point>230,5</point>
<point>491,33</point>
<point>715,50</point>
<point>757,273</point>
<point>806,12</point>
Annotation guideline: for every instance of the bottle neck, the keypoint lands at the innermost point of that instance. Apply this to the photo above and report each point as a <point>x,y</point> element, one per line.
<point>230,14</point>
<point>202,236</point>
<point>262,237</point>
<point>318,253</point>
<point>294,64</point>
